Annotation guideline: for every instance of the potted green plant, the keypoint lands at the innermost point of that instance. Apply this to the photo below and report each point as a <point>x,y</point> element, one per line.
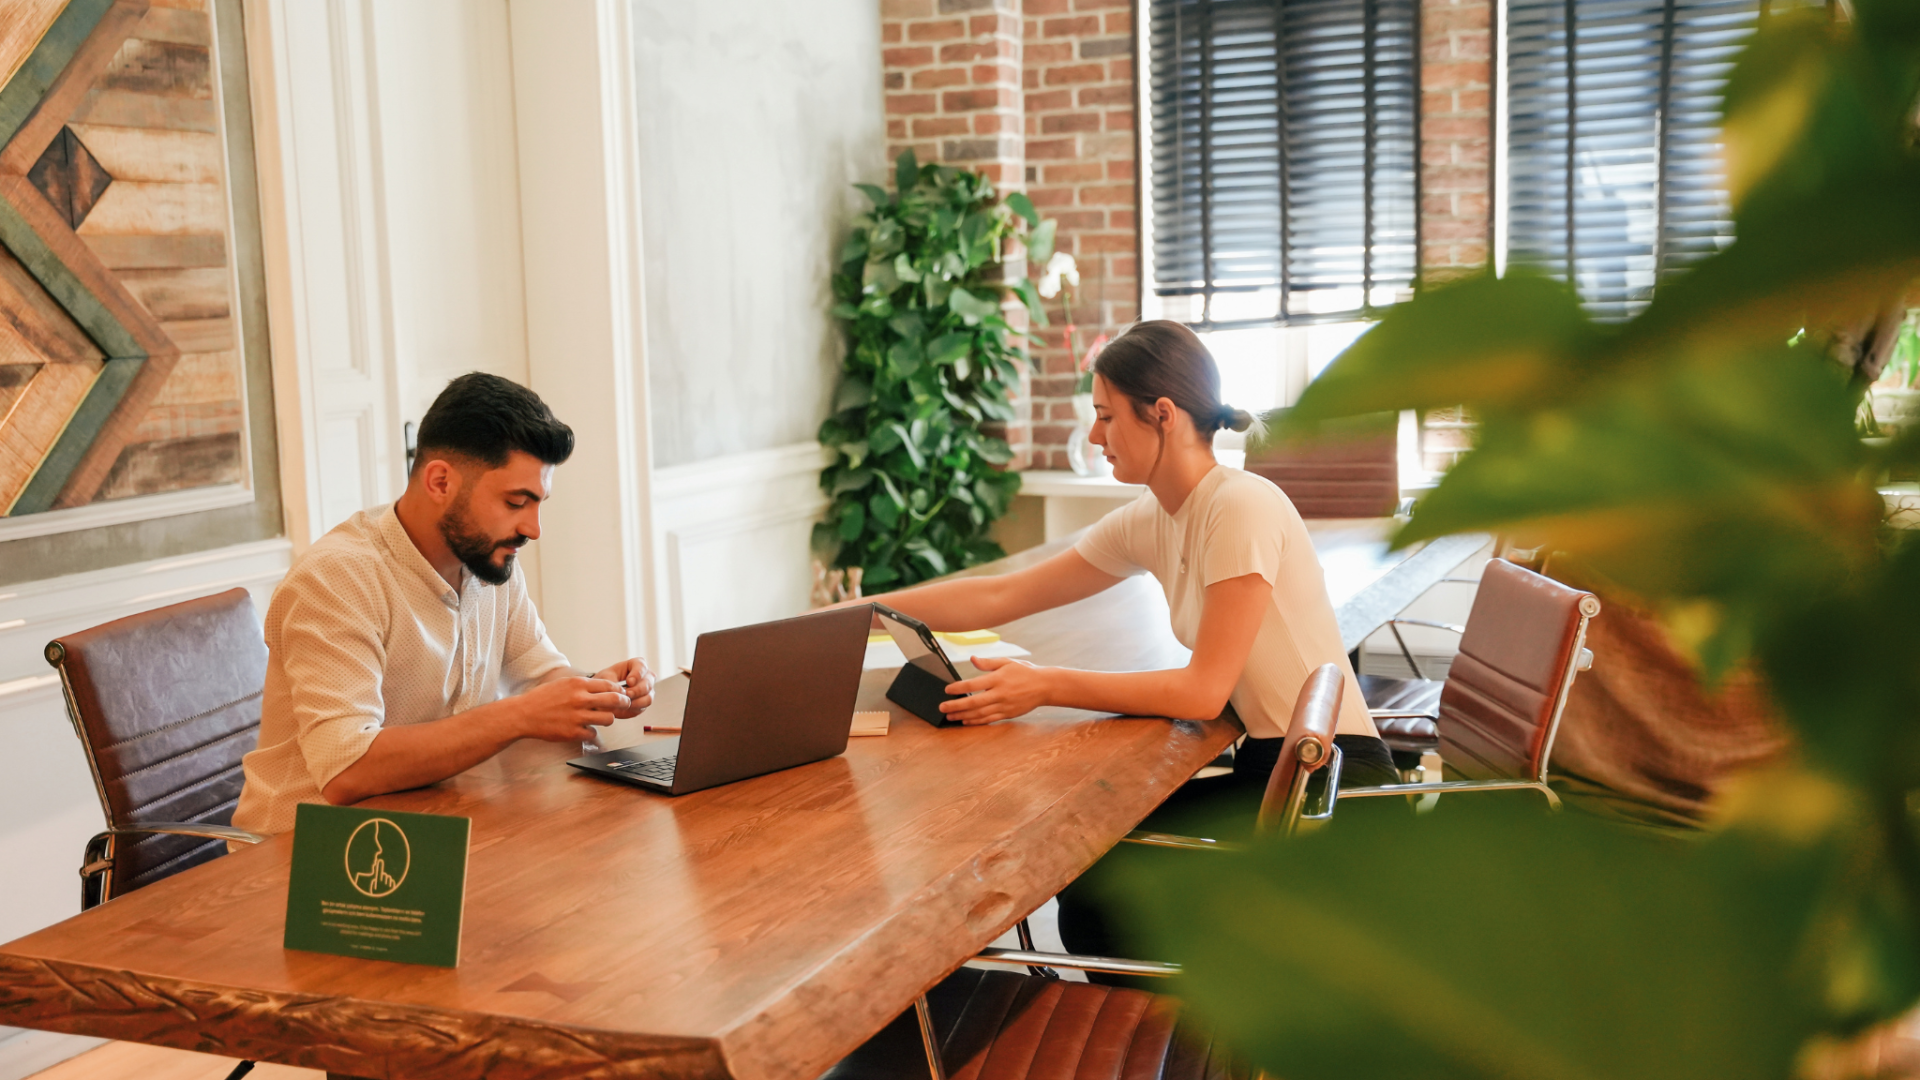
<point>918,475</point>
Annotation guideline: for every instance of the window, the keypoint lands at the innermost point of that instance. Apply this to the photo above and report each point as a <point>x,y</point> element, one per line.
<point>1285,176</point>
<point>1613,139</point>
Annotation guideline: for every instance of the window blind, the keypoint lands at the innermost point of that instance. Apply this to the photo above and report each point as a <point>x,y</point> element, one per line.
<point>1285,180</point>
<point>1613,139</point>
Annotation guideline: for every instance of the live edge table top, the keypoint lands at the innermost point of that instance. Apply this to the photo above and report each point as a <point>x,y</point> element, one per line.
<point>758,931</point>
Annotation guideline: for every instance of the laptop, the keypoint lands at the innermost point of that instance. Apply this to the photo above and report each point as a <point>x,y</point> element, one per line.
<point>760,699</point>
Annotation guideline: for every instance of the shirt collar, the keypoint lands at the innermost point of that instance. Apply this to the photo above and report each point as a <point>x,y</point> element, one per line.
<point>393,536</point>
<point>1200,490</point>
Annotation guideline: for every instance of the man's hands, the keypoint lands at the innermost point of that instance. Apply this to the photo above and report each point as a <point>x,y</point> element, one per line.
<point>568,708</point>
<point>636,681</point>
<point>1009,688</point>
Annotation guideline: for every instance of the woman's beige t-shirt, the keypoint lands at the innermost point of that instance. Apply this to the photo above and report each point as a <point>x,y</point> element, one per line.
<point>1233,524</point>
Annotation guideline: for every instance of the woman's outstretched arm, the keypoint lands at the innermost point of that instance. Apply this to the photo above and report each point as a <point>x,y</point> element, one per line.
<point>1199,691</point>
<point>974,602</point>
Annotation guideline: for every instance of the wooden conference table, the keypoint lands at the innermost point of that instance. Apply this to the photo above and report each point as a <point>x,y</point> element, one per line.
<point>758,931</point>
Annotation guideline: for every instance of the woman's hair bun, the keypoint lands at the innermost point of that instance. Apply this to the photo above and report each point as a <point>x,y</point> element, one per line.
<point>1235,419</point>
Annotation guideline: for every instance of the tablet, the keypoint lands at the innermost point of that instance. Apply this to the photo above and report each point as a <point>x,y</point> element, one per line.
<point>922,683</point>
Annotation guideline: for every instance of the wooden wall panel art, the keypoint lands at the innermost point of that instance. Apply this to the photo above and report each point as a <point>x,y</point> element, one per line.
<point>120,362</point>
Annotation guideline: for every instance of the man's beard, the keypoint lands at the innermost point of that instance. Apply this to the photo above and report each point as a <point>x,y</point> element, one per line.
<point>474,548</point>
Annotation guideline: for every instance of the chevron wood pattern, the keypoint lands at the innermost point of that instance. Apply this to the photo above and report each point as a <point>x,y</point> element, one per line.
<point>13,382</point>
<point>33,326</point>
<point>36,421</point>
<point>113,255</point>
<point>22,24</point>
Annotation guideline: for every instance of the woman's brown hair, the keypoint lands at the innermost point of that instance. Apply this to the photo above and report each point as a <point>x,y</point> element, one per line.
<point>1163,359</point>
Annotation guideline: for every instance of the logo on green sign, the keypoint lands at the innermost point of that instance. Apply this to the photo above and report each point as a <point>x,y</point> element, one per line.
<point>378,856</point>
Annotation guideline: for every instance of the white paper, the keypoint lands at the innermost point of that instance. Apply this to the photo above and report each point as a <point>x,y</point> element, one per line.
<point>885,654</point>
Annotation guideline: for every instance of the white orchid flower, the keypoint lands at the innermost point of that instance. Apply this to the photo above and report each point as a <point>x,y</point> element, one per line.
<point>1061,266</point>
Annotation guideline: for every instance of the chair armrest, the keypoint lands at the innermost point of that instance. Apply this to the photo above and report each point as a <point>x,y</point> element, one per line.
<point>1454,627</point>
<point>1393,627</point>
<point>188,828</point>
<point>1188,843</point>
<point>1112,965</point>
<point>1400,714</point>
<point>98,855</point>
<point>1332,769</point>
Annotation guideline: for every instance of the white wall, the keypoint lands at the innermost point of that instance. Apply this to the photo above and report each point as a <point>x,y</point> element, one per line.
<point>755,118</point>
<point>451,192</point>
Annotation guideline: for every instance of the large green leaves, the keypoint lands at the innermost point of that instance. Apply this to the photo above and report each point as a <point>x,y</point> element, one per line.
<point>1491,341</point>
<point>1492,939</point>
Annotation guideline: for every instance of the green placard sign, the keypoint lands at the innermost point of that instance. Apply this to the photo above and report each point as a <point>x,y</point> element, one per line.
<point>380,884</point>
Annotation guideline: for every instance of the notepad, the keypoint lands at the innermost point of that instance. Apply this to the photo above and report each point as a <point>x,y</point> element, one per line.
<point>952,637</point>
<point>871,723</point>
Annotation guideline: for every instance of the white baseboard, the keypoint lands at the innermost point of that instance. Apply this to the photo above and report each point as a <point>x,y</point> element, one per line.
<point>23,1052</point>
<point>735,532</point>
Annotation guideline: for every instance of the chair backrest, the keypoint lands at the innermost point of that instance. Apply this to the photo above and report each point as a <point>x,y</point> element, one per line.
<point>1353,474</point>
<point>166,702</point>
<point>1508,686</point>
<point>1307,749</point>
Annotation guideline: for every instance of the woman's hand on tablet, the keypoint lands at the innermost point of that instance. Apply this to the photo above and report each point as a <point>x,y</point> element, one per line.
<point>1009,688</point>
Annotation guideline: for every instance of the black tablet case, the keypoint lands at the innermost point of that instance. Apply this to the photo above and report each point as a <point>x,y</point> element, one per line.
<point>916,689</point>
<point>920,692</point>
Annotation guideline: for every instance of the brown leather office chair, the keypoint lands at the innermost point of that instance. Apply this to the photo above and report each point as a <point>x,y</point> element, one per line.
<point>1351,473</point>
<point>1000,1025</point>
<point>165,703</point>
<point>1494,719</point>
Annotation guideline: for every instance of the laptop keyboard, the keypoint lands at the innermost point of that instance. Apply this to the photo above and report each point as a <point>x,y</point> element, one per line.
<point>660,769</point>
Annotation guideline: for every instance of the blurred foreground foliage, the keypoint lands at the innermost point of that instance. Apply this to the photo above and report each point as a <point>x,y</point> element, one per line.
<point>1701,458</point>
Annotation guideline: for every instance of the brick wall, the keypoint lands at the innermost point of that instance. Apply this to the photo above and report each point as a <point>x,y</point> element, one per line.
<point>951,69</point>
<point>1040,94</point>
<point>1079,82</point>
<point>1456,136</point>
<point>1456,174</point>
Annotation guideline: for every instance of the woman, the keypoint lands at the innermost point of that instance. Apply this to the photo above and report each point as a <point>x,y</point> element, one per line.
<point>1242,581</point>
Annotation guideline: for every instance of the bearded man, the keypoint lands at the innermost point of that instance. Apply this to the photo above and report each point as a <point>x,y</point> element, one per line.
<point>402,646</point>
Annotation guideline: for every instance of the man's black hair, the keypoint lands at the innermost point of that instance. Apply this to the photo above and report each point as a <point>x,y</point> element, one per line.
<point>486,417</point>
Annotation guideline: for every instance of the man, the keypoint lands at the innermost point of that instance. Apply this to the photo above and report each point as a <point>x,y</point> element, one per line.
<point>391,641</point>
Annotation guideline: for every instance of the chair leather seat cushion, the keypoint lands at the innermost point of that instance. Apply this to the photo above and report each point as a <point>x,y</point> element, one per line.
<point>1002,1025</point>
<point>1419,734</point>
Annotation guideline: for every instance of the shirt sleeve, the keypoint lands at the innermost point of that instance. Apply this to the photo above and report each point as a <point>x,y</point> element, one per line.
<point>530,654</point>
<point>1246,533</point>
<point>328,635</point>
<point>1112,544</point>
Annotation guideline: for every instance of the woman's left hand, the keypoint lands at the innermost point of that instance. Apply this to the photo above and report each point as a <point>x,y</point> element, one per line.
<point>1009,688</point>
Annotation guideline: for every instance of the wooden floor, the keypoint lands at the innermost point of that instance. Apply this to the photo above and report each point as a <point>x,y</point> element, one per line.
<point>123,1060</point>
